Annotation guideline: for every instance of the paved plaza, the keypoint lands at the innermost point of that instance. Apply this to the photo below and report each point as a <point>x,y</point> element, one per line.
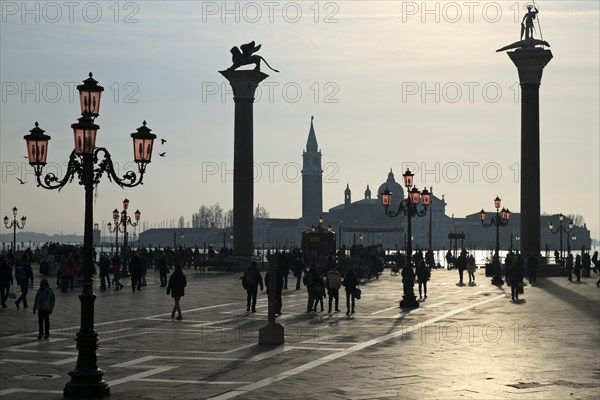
<point>463,342</point>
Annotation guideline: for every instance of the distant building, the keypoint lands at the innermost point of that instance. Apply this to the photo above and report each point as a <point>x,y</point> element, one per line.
<point>364,221</point>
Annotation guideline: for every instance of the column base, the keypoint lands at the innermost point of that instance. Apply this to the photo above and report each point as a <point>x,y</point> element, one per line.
<point>271,335</point>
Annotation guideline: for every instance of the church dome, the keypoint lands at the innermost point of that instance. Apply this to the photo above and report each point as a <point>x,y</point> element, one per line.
<point>392,186</point>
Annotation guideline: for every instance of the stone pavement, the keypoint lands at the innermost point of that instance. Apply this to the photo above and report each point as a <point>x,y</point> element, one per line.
<point>463,342</point>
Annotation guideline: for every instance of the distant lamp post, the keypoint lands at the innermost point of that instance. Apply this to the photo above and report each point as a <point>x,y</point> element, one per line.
<point>408,208</point>
<point>560,229</point>
<point>501,219</point>
<point>14,224</point>
<point>88,163</point>
<point>123,220</point>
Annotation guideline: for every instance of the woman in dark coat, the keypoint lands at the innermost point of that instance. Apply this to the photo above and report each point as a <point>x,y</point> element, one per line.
<point>350,283</point>
<point>175,288</point>
<point>423,275</point>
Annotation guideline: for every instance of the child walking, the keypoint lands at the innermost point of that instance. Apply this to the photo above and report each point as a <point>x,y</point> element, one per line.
<point>44,304</point>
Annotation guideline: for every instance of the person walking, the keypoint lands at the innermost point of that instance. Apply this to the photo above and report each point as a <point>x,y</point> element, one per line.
<point>278,289</point>
<point>422,275</point>
<point>319,293</point>
<point>64,273</point>
<point>163,268</point>
<point>43,305</point>
<point>104,264</point>
<point>350,283</point>
<point>515,276</point>
<point>176,288</point>
<point>577,268</point>
<point>117,267</point>
<point>283,264</point>
<point>23,275</point>
<point>135,271</point>
<point>462,265</point>
<point>6,281</point>
<point>251,280</point>
<point>595,262</point>
<point>569,266</point>
<point>532,264</point>
<point>333,282</point>
<point>471,267</point>
<point>298,270</point>
<point>310,280</point>
<point>71,271</point>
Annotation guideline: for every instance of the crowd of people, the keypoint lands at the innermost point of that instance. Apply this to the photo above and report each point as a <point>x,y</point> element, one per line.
<point>64,260</point>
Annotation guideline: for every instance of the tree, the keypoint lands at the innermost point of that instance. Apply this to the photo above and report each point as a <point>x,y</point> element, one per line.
<point>576,218</point>
<point>228,219</point>
<point>260,212</point>
<point>181,223</point>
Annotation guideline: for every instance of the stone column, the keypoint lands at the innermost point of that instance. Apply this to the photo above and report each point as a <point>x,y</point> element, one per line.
<point>244,84</point>
<point>530,63</point>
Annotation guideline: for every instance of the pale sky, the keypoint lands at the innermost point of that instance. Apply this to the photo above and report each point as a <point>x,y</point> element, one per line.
<point>391,84</point>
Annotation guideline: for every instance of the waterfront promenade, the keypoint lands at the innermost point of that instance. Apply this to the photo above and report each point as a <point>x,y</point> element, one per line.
<point>464,342</point>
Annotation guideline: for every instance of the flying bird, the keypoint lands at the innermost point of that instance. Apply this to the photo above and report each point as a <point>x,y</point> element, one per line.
<point>21,181</point>
<point>162,154</point>
<point>163,141</point>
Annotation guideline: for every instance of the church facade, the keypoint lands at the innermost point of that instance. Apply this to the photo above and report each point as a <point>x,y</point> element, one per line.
<point>363,221</point>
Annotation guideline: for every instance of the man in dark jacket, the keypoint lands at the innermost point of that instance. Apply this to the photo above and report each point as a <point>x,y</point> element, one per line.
<point>135,270</point>
<point>23,274</point>
<point>176,288</point>
<point>6,280</point>
<point>310,282</point>
<point>251,280</point>
<point>278,290</point>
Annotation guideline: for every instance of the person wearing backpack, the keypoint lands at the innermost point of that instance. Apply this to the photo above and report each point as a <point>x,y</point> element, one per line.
<point>251,280</point>
<point>23,274</point>
<point>43,305</point>
<point>350,282</point>
<point>333,282</point>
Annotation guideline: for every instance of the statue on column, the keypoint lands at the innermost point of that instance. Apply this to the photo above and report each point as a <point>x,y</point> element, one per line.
<point>527,23</point>
<point>246,56</point>
<point>528,42</point>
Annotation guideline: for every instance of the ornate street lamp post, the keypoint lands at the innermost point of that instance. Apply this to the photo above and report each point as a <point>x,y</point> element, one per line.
<point>407,207</point>
<point>560,229</point>
<point>116,228</point>
<point>14,224</point>
<point>122,220</point>
<point>501,219</point>
<point>88,163</point>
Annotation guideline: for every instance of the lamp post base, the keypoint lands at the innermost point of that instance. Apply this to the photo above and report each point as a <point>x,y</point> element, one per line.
<point>271,334</point>
<point>86,385</point>
<point>409,301</point>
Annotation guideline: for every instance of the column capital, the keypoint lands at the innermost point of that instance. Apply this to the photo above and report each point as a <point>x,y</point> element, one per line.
<point>244,83</point>
<point>530,63</point>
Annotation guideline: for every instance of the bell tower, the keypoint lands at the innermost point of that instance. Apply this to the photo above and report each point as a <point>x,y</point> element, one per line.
<point>312,179</point>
